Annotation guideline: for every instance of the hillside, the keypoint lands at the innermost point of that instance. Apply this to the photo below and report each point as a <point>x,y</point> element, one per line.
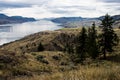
<point>27,63</point>
<point>4,19</point>
<point>52,41</point>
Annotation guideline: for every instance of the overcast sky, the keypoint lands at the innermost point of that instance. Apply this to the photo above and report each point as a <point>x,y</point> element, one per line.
<point>59,8</point>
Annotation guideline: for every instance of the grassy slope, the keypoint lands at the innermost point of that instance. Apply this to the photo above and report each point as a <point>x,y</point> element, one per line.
<point>28,65</point>
<point>30,43</point>
<point>53,65</point>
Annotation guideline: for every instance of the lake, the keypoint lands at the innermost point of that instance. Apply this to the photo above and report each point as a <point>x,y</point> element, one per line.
<point>12,32</point>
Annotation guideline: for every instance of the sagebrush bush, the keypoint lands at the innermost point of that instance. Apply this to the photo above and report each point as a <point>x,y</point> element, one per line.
<point>55,57</point>
<point>20,72</point>
<point>42,59</point>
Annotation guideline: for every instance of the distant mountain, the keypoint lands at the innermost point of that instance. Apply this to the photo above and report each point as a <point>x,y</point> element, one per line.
<point>115,17</point>
<point>4,19</point>
<point>66,19</point>
<point>79,21</point>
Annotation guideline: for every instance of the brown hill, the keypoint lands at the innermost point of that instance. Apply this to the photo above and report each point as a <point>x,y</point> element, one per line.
<point>52,41</point>
<point>20,60</point>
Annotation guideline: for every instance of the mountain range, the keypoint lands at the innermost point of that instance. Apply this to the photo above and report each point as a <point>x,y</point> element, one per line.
<point>4,19</point>
<point>68,22</point>
<point>80,21</point>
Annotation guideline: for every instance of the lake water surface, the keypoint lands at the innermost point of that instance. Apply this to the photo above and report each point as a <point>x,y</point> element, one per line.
<point>12,32</point>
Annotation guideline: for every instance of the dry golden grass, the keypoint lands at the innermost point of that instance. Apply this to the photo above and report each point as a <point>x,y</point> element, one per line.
<point>58,67</point>
<point>31,42</point>
<point>111,72</point>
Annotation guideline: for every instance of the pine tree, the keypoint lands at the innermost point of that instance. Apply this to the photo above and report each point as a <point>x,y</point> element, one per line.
<point>108,38</point>
<point>92,42</point>
<point>81,46</point>
<point>69,48</point>
<point>40,47</point>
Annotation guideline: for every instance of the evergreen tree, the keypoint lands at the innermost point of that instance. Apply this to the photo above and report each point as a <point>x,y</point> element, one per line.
<point>40,47</point>
<point>108,38</point>
<point>92,42</point>
<point>69,48</point>
<point>81,46</point>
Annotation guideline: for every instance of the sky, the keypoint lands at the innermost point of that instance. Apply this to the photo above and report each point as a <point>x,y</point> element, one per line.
<point>59,8</point>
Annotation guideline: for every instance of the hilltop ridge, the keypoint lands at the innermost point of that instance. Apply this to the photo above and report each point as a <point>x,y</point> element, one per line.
<point>70,22</point>
<point>4,19</point>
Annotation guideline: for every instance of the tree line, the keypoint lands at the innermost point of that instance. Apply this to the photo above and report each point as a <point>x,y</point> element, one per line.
<point>90,43</point>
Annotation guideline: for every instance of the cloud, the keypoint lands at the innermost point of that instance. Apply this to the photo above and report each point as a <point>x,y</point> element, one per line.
<point>60,8</point>
<point>111,1</point>
<point>32,2</point>
<point>12,5</point>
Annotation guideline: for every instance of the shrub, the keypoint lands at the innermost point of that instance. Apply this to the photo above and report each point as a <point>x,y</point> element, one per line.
<point>64,63</point>
<point>2,66</point>
<point>5,59</point>
<point>19,72</point>
<point>55,57</point>
<point>40,58</point>
<point>40,47</point>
